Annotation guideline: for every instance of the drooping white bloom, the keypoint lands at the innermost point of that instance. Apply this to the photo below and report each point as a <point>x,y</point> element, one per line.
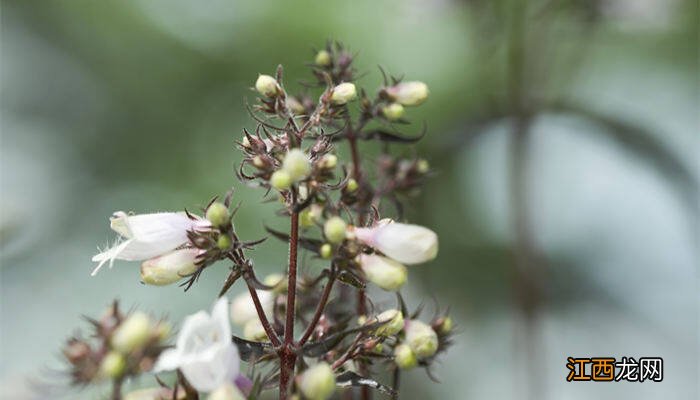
<point>406,243</point>
<point>243,308</point>
<point>409,93</point>
<point>204,351</point>
<point>383,272</point>
<point>145,236</point>
<point>170,267</point>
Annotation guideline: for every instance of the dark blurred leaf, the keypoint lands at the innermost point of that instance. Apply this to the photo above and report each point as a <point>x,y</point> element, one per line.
<point>349,378</point>
<point>252,350</point>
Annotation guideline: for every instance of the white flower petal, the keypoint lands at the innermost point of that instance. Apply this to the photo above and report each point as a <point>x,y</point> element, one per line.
<point>408,244</point>
<point>167,361</point>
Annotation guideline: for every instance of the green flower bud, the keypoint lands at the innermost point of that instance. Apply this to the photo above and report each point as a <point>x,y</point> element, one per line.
<point>317,382</point>
<point>444,325</point>
<point>423,166</point>
<point>335,229</point>
<point>306,218</point>
<point>267,86</point>
<point>393,111</point>
<point>113,365</point>
<point>404,357</point>
<point>343,93</point>
<point>393,322</point>
<point>297,164</point>
<point>329,161</point>
<point>217,214</point>
<point>280,180</point>
<point>254,331</point>
<point>408,93</point>
<point>223,242</point>
<point>133,333</point>
<point>277,281</point>
<point>326,251</point>
<point>352,185</point>
<point>323,58</point>
<point>226,392</point>
<point>421,338</point>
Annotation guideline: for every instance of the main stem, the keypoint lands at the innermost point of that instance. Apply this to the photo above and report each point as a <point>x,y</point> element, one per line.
<point>287,352</point>
<point>361,297</point>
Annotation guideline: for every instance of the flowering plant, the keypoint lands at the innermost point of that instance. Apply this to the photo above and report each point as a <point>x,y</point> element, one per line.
<point>334,210</point>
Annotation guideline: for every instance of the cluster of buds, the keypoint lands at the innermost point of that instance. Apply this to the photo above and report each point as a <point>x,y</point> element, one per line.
<point>334,210</point>
<point>120,345</point>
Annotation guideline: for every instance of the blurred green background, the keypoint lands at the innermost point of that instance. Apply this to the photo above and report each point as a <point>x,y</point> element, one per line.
<point>564,135</point>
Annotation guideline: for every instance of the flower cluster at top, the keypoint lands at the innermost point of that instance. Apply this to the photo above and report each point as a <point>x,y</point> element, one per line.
<point>334,211</point>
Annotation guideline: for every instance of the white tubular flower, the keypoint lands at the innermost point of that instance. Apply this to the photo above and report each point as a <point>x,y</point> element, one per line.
<point>409,93</point>
<point>409,244</point>
<point>226,392</point>
<point>147,235</point>
<point>383,272</point>
<point>243,308</point>
<point>169,268</point>
<point>204,351</point>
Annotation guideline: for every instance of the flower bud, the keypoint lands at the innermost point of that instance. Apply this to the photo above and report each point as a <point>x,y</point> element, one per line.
<point>163,330</point>
<point>393,111</point>
<point>443,325</point>
<point>223,242</point>
<point>317,382</point>
<point>384,272</point>
<point>243,308</point>
<point>326,251</point>
<point>217,214</point>
<point>297,164</point>
<point>343,93</point>
<point>408,93</point>
<point>306,218</point>
<point>295,106</point>
<point>323,58</point>
<point>334,229</point>
<point>133,333</point>
<point>352,185</point>
<point>169,268</point>
<point>76,351</point>
<point>277,281</point>
<point>423,166</point>
<point>393,322</point>
<point>421,338</point>
<point>329,161</point>
<point>253,330</point>
<point>227,391</point>
<point>280,180</point>
<point>409,244</point>
<point>404,357</point>
<point>267,86</point>
<point>113,365</point>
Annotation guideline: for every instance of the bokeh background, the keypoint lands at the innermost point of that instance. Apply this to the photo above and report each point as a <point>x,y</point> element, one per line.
<point>564,134</point>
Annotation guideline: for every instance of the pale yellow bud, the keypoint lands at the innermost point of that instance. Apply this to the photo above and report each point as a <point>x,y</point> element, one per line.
<point>217,214</point>
<point>404,357</point>
<point>421,338</point>
<point>169,268</point>
<point>343,93</point>
<point>113,365</point>
<point>423,166</point>
<point>409,93</point>
<point>326,251</point>
<point>384,272</point>
<point>280,180</point>
<point>317,382</point>
<point>277,281</point>
<point>393,322</point>
<point>132,333</point>
<point>335,229</point>
<point>297,164</point>
<point>254,331</point>
<point>267,86</point>
<point>323,58</point>
<point>329,161</point>
<point>393,111</point>
<point>223,242</point>
<point>352,185</point>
